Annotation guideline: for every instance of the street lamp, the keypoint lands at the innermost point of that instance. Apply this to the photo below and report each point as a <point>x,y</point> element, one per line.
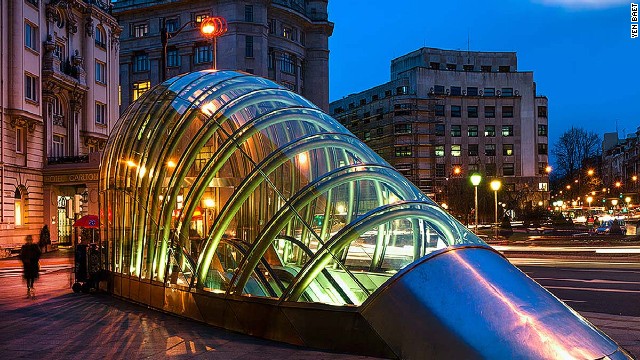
<point>628,201</point>
<point>209,27</point>
<point>589,200</point>
<point>475,180</point>
<point>495,186</point>
<point>614,202</point>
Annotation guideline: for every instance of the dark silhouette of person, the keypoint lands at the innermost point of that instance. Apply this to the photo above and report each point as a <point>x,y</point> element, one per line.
<point>30,256</point>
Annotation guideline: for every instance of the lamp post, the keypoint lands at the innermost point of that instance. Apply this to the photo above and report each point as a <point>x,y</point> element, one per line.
<point>475,181</point>
<point>209,27</point>
<point>589,200</point>
<point>495,186</point>
<point>614,202</point>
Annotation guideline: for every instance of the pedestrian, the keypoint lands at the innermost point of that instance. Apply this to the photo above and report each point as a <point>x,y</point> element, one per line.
<point>30,256</point>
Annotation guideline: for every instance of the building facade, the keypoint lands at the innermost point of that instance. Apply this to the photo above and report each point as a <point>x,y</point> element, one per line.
<point>283,40</point>
<point>59,76</point>
<point>446,114</point>
<point>620,166</point>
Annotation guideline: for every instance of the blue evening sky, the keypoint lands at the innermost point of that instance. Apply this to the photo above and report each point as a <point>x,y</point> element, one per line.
<point>580,51</point>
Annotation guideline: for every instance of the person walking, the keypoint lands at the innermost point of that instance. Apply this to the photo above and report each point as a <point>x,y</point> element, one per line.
<point>30,257</point>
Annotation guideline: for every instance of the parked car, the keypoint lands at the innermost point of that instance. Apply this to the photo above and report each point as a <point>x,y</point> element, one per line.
<point>609,227</point>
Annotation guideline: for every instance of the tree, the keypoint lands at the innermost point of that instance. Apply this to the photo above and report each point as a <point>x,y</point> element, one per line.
<point>573,149</point>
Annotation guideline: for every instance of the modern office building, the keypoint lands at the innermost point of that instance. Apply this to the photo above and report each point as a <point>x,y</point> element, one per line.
<point>446,114</point>
<point>59,76</point>
<point>282,40</point>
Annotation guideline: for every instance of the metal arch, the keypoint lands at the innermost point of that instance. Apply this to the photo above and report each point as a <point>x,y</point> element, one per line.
<point>253,180</point>
<point>301,199</point>
<point>350,232</point>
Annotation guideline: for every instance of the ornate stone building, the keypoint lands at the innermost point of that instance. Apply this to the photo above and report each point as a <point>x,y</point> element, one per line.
<point>59,76</point>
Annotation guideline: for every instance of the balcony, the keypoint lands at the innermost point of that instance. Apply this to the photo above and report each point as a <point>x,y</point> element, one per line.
<point>79,159</point>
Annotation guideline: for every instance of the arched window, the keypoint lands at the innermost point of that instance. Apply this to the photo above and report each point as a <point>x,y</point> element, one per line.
<point>101,37</point>
<point>20,207</point>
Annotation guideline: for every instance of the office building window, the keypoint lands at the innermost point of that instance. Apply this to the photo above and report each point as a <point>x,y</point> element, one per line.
<point>456,91</point>
<point>489,112</point>
<point>473,150</point>
<point>439,109</point>
<point>100,37</point>
<point>288,63</point>
<point>140,62</point>
<point>248,46</point>
<point>440,129</point>
<point>542,149</point>
<point>57,148</point>
<point>490,169</point>
<point>472,111</point>
<point>456,150</point>
<point>203,54</point>
<point>31,87</point>
<point>402,128</point>
<point>439,150</point>
<point>507,149</point>
<point>101,113</point>
<point>507,111</point>
<point>20,140</point>
<point>542,130</point>
<point>506,92</point>
<point>489,92</point>
<point>456,111</point>
<point>173,57</point>
<point>438,89</point>
<point>248,13</point>
<point>490,149</point>
<point>30,36</point>
<point>504,68</point>
<point>456,131</point>
<point>440,170</point>
<point>140,88</point>
<point>472,91</point>
<point>542,111</point>
<point>485,68</point>
<point>489,130</point>
<point>139,29</point>
<point>101,70</point>
<point>507,130</point>
<point>403,151</point>
<point>472,130</point>
<point>508,169</point>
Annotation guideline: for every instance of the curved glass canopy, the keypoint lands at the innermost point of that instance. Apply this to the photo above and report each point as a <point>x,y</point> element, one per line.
<point>232,184</point>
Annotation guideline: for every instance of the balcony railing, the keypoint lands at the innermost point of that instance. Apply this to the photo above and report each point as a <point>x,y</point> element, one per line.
<point>54,160</point>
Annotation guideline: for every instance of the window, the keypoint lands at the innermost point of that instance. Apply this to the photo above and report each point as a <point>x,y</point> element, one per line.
<point>490,149</point>
<point>288,63</point>
<point>403,151</point>
<point>456,131</point>
<point>440,170</point>
<point>439,110</point>
<point>402,128</point>
<point>472,131</point>
<point>456,150</point>
<point>542,168</point>
<point>489,112</point>
<point>490,130</point>
<point>248,46</point>
<point>504,68</point>
<point>387,93</point>
<point>101,69</point>
<point>451,66</point>
<point>100,37</point>
<point>374,97</point>
<point>379,131</point>
<point>467,67</point>
<point>20,140</point>
<point>456,90</point>
<point>473,168</point>
<point>59,51</point>
<point>140,88</point>
<point>101,112</point>
<point>542,111</point>
<point>542,130</point>
<point>172,24</point>
<point>248,13</point>
<point>438,89</point>
<point>490,169</point>
<point>140,62</point>
<point>456,110</point>
<point>439,150</point>
<point>507,149</point>
<point>287,32</point>
<point>489,92</point>
<point>57,150</point>
<point>507,111</point>
<point>439,130</point>
<point>506,92</point>
<point>203,54</point>
<point>542,149</point>
<point>543,186</point>
<point>198,18</point>
<point>508,169</point>
<point>434,65</point>
<point>473,150</point>
<point>19,208</point>
<point>272,26</point>
<point>472,91</point>
<point>366,135</point>
<point>33,2</point>
<point>485,68</point>
<point>402,90</point>
<point>472,111</point>
<point>507,130</point>
<point>31,87</point>
<point>173,57</point>
<point>139,29</point>
<point>363,102</point>
<point>30,36</point>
